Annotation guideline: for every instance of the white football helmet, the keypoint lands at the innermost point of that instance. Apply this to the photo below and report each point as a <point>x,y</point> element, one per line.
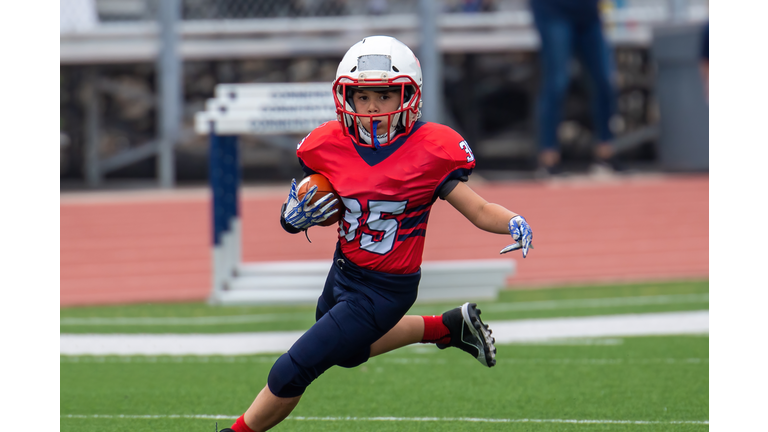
<point>373,63</point>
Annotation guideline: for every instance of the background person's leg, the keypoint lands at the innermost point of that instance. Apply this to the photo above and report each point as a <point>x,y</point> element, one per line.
<point>597,58</point>
<point>554,57</point>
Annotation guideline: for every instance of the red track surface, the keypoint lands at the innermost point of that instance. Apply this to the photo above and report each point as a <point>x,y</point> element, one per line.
<point>155,246</point>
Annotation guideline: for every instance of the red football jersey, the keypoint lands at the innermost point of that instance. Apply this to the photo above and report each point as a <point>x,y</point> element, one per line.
<point>387,193</point>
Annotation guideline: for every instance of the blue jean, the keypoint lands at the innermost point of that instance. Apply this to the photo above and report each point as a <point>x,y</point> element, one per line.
<point>560,39</point>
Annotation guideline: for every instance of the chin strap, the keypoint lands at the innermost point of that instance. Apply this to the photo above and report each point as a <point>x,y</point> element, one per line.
<point>373,134</point>
<point>375,140</point>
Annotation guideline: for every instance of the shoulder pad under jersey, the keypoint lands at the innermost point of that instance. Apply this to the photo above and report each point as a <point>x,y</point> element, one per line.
<point>445,143</point>
<point>326,131</point>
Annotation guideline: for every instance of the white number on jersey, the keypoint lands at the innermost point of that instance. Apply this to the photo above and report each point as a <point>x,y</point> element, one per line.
<point>465,146</point>
<point>351,216</point>
<point>388,227</point>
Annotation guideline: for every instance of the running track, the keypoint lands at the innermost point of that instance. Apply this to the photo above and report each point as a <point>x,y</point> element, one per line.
<point>154,246</point>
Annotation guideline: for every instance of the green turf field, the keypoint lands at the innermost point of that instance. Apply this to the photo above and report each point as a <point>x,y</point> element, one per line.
<point>609,384</point>
<point>512,304</point>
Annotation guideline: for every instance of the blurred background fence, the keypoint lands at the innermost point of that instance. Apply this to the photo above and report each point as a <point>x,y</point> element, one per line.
<point>134,72</point>
<point>114,11</point>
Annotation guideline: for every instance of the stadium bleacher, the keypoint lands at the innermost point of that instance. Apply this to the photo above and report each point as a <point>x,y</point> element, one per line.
<point>111,45</point>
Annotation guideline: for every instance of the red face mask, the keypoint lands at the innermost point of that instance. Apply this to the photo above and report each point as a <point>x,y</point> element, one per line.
<point>404,117</point>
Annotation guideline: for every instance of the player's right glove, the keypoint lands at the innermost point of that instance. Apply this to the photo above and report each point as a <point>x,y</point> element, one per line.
<point>302,215</point>
<point>521,233</point>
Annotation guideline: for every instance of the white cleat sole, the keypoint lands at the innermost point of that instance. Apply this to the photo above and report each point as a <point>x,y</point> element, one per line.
<point>486,353</point>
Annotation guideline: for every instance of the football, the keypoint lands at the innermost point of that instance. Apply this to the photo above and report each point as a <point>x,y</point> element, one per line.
<point>323,188</point>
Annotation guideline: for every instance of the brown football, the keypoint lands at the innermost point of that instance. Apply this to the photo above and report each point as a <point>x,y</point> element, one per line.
<point>324,188</point>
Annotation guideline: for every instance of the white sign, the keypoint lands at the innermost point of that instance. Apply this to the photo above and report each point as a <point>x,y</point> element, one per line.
<point>266,109</point>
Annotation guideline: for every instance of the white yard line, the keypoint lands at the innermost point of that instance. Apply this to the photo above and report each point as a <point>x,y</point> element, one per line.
<point>389,359</point>
<point>668,323</point>
<point>396,419</point>
<point>185,321</point>
<point>598,303</point>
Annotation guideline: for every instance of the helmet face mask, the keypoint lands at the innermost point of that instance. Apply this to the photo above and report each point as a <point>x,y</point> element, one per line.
<point>361,124</point>
<point>378,63</point>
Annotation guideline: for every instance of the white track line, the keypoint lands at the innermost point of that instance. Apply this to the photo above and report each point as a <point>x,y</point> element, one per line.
<point>396,419</point>
<point>668,323</point>
<point>496,307</point>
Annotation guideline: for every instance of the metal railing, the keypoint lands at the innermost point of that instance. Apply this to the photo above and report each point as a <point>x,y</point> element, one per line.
<point>100,32</point>
<point>84,15</point>
<point>233,29</point>
<point>146,10</point>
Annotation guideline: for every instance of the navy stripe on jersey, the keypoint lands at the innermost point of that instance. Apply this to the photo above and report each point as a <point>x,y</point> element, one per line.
<point>413,221</point>
<point>418,209</point>
<point>415,233</point>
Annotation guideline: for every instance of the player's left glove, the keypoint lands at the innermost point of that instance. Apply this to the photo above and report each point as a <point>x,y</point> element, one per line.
<point>302,215</point>
<point>521,233</point>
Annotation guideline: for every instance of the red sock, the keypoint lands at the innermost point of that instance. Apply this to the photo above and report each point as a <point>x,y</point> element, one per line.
<point>240,425</point>
<point>435,331</point>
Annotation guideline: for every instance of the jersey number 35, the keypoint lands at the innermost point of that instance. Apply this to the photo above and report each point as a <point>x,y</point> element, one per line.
<point>383,231</point>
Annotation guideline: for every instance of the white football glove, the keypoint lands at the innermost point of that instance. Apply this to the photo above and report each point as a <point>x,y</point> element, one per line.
<point>521,233</point>
<point>302,215</point>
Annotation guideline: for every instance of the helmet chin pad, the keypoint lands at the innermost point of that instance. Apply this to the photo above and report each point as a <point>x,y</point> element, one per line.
<point>366,136</point>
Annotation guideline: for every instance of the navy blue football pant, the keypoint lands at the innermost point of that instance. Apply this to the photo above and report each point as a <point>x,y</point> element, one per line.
<point>561,37</point>
<point>356,309</point>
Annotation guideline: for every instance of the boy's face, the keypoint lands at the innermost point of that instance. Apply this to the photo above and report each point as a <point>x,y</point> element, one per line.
<point>376,102</point>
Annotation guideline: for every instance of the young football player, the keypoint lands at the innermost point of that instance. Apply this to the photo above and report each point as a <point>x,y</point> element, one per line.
<point>388,168</point>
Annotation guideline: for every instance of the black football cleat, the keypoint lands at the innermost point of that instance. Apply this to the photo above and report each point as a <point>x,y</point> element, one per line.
<point>223,430</point>
<point>468,333</point>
